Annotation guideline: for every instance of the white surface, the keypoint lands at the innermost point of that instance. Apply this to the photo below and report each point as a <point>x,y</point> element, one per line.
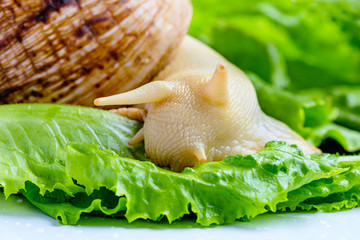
<point>21,221</point>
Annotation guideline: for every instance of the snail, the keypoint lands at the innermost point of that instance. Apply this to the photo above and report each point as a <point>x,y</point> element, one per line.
<point>200,108</point>
<point>72,51</point>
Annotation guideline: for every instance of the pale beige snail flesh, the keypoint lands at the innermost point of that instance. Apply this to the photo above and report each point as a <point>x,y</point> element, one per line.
<point>201,108</point>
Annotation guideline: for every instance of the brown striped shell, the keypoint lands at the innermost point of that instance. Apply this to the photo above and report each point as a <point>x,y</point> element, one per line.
<point>72,51</point>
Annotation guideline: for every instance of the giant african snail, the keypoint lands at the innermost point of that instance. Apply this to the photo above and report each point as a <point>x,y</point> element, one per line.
<point>201,108</point>
<point>72,51</point>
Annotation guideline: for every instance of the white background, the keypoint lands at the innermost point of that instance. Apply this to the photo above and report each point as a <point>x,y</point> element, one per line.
<point>19,220</point>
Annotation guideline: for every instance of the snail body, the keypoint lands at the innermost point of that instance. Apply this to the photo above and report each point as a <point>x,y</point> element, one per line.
<point>72,51</point>
<point>202,108</point>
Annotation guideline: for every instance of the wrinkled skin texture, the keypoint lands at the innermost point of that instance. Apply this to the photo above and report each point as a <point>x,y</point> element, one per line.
<point>204,109</point>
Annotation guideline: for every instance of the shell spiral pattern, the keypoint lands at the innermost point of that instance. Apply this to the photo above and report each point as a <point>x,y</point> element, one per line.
<point>72,51</point>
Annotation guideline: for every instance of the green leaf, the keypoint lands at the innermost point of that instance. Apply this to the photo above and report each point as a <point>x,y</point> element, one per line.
<point>299,31</point>
<point>33,139</point>
<point>349,139</point>
<point>219,192</point>
<point>70,160</point>
<point>337,192</point>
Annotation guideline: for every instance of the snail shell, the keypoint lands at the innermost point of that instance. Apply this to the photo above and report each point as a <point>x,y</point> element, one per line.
<point>202,108</point>
<point>72,51</point>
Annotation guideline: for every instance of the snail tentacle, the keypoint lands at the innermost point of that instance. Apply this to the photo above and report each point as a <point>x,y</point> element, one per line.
<point>152,92</point>
<point>131,112</point>
<point>216,90</point>
<point>200,155</point>
<point>139,136</point>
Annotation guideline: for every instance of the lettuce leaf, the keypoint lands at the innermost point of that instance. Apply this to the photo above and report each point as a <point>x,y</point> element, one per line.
<point>236,188</point>
<point>286,49</point>
<point>69,161</point>
<point>293,36</point>
<point>33,139</point>
<point>313,115</point>
<point>337,192</point>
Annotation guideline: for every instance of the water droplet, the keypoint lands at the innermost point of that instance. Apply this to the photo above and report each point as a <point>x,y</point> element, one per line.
<point>28,225</point>
<point>40,230</point>
<point>17,223</point>
<point>19,201</point>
